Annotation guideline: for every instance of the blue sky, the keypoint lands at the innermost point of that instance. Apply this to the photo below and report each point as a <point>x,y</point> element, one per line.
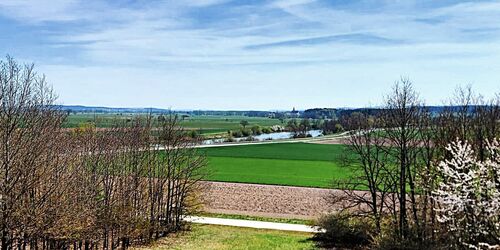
<point>223,54</point>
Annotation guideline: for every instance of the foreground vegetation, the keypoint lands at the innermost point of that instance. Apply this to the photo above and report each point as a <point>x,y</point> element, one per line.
<point>85,188</point>
<point>433,179</point>
<point>224,237</point>
<point>292,164</point>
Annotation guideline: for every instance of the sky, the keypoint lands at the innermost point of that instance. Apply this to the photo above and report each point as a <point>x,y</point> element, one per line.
<point>259,55</point>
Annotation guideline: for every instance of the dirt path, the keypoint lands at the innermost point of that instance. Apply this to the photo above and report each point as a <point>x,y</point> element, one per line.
<point>253,224</point>
<point>268,200</point>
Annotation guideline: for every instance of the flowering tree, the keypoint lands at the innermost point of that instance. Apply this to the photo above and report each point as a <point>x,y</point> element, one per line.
<point>469,196</point>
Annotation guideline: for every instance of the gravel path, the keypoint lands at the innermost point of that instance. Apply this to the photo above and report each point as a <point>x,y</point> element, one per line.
<point>268,200</point>
<point>253,224</point>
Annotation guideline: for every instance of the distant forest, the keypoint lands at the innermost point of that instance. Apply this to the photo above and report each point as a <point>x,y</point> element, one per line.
<point>315,113</point>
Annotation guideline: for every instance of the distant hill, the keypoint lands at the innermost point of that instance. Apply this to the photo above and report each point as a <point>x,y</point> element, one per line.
<point>434,110</point>
<point>95,109</point>
<point>90,109</point>
<point>315,113</point>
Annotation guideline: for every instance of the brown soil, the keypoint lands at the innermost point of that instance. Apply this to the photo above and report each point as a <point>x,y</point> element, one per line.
<point>268,200</point>
<point>335,141</point>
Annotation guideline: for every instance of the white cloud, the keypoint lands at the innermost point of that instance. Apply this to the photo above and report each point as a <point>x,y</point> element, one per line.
<point>290,3</point>
<point>202,3</point>
<point>33,11</point>
<point>165,47</point>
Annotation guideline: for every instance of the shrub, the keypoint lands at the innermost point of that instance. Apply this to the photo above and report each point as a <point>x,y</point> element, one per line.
<point>246,132</point>
<point>344,230</point>
<point>338,128</point>
<point>244,123</point>
<point>266,130</point>
<point>389,242</point>
<point>389,238</point>
<point>256,130</point>
<point>193,134</point>
<point>236,133</point>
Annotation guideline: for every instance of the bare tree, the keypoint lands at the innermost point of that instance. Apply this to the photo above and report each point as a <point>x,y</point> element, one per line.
<point>396,156</point>
<point>29,148</point>
<point>369,170</point>
<point>401,119</point>
<point>180,170</point>
<point>87,188</point>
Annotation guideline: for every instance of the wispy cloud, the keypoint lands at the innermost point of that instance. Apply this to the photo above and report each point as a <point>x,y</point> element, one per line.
<point>253,36</point>
<point>431,20</point>
<point>37,11</point>
<point>359,39</point>
<point>203,3</point>
<point>199,30</point>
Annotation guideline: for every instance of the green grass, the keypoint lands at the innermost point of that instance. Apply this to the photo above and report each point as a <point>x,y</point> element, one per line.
<point>277,172</point>
<point>206,124</point>
<point>224,237</point>
<point>291,164</point>
<point>280,151</point>
<point>225,123</point>
<point>100,120</point>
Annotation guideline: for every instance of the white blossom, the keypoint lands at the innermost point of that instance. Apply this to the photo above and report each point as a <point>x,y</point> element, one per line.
<point>469,195</point>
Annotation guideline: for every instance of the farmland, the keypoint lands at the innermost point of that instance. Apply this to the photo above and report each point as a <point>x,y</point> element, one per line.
<point>225,123</point>
<point>206,124</point>
<point>292,164</point>
<point>100,120</point>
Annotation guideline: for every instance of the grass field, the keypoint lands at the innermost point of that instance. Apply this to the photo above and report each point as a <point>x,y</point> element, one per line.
<point>223,237</point>
<point>225,123</point>
<point>100,120</point>
<point>292,164</point>
<point>205,124</point>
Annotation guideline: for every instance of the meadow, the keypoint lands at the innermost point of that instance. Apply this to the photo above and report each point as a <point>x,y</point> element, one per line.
<point>224,237</point>
<point>205,124</point>
<point>291,164</point>
<point>101,120</point>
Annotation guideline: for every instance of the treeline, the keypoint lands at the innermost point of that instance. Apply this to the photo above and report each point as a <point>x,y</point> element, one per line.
<point>88,188</point>
<point>104,110</point>
<point>431,178</point>
<point>302,127</point>
<point>314,113</point>
<point>299,127</point>
<point>248,113</point>
<point>319,113</point>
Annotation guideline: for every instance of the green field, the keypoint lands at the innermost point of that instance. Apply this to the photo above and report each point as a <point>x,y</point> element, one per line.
<point>225,123</point>
<point>292,164</point>
<point>100,120</point>
<point>224,237</point>
<point>206,124</point>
